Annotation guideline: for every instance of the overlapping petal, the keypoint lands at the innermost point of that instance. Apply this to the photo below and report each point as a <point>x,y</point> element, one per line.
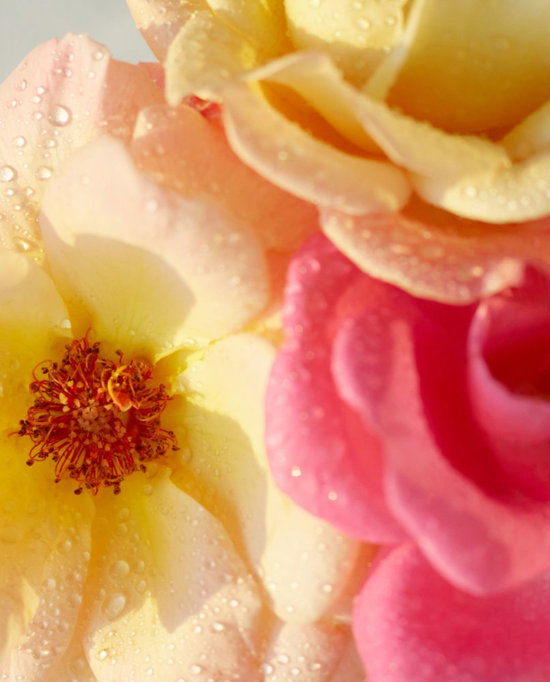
<point>145,267</point>
<point>412,625</point>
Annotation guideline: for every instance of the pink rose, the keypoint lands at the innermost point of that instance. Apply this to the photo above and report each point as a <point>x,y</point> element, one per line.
<point>407,421</point>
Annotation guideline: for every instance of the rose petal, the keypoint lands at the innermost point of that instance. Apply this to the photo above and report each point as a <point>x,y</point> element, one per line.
<point>395,364</point>
<point>357,36</point>
<point>167,592</point>
<point>412,625</point>
<point>305,564</point>
<point>475,79</point>
<point>145,267</point>
<point>433,254</point>
<point>45,544</point>
<point>292,159</point>
<point>219,42</point>
<point>508,368</point>
<point>531,136</point>
<point>190,155</point>
<point>312,438</point>
<point>309,652</point>
<point>59,98</point>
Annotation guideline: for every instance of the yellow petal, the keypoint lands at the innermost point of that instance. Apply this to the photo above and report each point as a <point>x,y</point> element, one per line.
<point>475,66</point>
<point>146,268</point>
<point>167,592</point>
<point>295,161</point>
<point>531,136</point>
<point>304,563</point>
<point>33,323</point>
<point>45,548</point>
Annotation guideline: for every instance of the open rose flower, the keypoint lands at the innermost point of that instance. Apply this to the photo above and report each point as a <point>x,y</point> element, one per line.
<point>419,128</point>
<point>402,421</point>
<point>197,567</point>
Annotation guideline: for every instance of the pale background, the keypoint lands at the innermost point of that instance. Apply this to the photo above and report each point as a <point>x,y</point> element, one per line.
<point>24,24</point>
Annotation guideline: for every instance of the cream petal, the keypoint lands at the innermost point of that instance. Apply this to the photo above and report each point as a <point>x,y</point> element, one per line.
<point>531,136</point>
<point>33,324</point>
<point>167,595</point>
<point>490,70</point>
<point>290,158</point>
<point>59,98</point>
<point>145,267</point>
<point>45,547</point>
<point>518,193</point>
<point>215,45</point>
<point>357,35</point>
<point>304,564</point>
<point>312,653</point>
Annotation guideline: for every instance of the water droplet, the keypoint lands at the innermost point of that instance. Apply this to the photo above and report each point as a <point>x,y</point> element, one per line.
<point>333,495</point>
<point>60,115</point>
<point>195,669</point>
<point>43,173</point>
<point>22,85</point>
<point>19,141</point>
<point>97,55</point>
<point>218,627</point>
<point>114,605</point>
<point>295,472</point>
<point>7,174</point>
<point>120,569</point>
<point>102,655</point>
<point>326,588</point>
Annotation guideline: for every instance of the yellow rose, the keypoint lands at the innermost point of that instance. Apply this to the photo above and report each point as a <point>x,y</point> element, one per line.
<point>420,129</point>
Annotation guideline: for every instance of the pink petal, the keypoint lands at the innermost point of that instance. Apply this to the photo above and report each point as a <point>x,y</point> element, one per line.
<point>61,96</point>
<point>509,382</point>
<point>401,364</point>
<point>320,453</point>
<point>412,625</point>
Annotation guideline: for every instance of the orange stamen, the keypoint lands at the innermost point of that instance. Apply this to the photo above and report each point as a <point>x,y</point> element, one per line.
<point>97,419</point>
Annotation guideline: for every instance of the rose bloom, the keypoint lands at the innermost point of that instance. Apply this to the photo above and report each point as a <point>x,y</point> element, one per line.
<point>129,270</point>
<point>425,427</point>
<point>419,129</point>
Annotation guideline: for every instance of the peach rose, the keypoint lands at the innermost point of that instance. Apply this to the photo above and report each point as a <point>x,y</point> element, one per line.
<point>198,568</point>
<point>419,129</point>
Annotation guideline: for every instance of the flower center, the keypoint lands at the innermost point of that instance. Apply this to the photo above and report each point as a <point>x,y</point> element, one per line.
<point>98,420</point>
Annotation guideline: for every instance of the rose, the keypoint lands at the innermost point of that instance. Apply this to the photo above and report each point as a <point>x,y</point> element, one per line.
<point>402,421</point>
<point>198,566</point>
<point>353,106</point>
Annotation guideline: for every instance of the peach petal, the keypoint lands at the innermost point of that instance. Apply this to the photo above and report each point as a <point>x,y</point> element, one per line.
<point>304,564</point>
<point>187,153</point>
<point>433,254</point>
<point>52,105</point>
<point>312,653</point>
<point>292,159</point>
<point>146,268</point>
<point>475,79</point>
<point>177,600</point>
<point>160,21</point>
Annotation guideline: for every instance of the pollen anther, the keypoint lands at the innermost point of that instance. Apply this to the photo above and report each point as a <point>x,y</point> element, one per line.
<point>97,419</point>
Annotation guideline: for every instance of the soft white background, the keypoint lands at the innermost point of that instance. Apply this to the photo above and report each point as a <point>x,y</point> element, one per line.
<point>26,23</point>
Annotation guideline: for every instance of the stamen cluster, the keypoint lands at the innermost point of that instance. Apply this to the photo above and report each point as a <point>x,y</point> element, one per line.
<point>97,419</point>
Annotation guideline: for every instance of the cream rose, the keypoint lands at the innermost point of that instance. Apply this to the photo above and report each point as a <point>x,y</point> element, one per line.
<point>419,129</point>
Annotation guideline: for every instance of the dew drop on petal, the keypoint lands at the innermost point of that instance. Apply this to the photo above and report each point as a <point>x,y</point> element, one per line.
<point>19,141</point>
<point>7,173</point>
<point>120,569</point>
<point>114,605</point>
<point>60,115</point>
<point>43,173</point>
